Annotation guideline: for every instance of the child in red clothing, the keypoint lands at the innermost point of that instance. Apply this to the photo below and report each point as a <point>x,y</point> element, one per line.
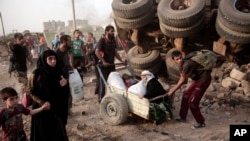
<point>11,116</point>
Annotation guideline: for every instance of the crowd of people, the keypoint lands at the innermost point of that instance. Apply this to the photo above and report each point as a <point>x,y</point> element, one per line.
<point>49,88</point>
<point>48,84</point>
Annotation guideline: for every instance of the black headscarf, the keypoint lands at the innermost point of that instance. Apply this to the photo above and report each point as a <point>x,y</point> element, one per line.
<point>42,61</point>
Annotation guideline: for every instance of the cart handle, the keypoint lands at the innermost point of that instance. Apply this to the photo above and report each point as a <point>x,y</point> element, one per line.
<point>100,73</point>
<point>158,97</point>
<point>116,64</point>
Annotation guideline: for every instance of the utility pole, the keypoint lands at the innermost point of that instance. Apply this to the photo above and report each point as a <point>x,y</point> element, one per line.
<point>2,24</point>
<point>74,17</point>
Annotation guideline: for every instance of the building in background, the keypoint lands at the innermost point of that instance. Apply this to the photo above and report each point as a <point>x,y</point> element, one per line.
<point>59,26</point>
<point>79,23</point>
<point>53,26</point>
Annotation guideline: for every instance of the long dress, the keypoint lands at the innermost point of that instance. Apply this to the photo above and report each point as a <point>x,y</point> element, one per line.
<point>48,125</point>
<point>154,89</point>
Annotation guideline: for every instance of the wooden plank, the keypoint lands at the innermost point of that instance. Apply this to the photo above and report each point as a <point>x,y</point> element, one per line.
<point>136,105</point>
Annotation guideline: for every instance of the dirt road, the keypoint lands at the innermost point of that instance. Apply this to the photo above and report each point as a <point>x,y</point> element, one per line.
<point>89,126</point>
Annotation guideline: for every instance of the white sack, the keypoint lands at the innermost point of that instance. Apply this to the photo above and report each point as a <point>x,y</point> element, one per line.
<point>115,79</point>
<point>138,89</point>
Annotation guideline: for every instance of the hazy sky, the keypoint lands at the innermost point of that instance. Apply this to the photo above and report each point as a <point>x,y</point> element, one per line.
<point>29,14</point>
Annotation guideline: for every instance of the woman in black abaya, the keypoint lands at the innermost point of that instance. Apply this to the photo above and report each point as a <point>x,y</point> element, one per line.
<point>47,83</point>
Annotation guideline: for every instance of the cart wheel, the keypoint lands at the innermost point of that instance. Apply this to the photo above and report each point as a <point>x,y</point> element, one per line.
<point>114,109</point>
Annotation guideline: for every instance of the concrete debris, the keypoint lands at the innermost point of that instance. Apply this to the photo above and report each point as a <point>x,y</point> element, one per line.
<point>230,86</point>
<point>230,83</point>
<point>237,74</point>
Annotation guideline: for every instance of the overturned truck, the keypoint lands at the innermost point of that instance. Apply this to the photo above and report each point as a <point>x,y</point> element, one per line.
<point>157,27</point>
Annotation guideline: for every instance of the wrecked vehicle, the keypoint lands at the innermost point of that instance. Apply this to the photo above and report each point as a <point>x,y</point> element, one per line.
<point>157,27</point>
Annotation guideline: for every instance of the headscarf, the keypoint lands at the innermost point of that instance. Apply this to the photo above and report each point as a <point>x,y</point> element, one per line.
<point>42,61</point>
<point>148,74</point>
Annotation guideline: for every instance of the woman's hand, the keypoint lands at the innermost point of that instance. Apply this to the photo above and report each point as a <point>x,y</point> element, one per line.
<point>63,81</point>
<point>46,106</point>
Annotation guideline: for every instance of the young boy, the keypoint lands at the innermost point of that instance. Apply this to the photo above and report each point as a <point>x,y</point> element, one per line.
<point>11,116</point>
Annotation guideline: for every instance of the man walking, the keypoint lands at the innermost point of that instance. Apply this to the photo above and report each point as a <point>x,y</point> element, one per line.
<point>192,96</point>
<point>106,52</point>
<point>20,54</point>
<point>65,61</point>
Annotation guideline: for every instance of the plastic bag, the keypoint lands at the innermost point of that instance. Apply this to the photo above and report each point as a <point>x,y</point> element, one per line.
<point>76,85</point>
<point>138,89</point>
<point>115,79</point>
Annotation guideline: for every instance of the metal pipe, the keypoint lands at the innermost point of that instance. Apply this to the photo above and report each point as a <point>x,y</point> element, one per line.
<point>2,24</point>
<point>74,17</point>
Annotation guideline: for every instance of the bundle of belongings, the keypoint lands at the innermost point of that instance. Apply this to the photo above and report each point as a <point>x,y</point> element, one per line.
<point>159,113</point>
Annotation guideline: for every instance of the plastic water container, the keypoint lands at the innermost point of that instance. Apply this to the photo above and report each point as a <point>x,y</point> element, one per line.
<point>76,85</point>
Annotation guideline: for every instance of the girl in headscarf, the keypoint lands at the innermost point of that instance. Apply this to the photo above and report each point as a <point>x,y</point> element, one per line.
<point>153,86</point>
<point>47,83</point>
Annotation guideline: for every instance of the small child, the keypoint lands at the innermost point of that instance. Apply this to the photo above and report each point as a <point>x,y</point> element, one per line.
<point>128,80</point>
<point>11,116</point>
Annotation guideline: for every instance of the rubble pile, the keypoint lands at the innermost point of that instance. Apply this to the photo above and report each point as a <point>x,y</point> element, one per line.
<point>230,86</point>
<point>230,82</point>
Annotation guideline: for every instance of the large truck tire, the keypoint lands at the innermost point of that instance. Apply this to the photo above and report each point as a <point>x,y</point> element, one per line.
<point>231,17</point>
<point>137,22</point>
<point>170,16</point>
<point>231,35</point>
<point>230,25</point>
<point>154,69</point>
<point>142,61</point>
<point>114,109</point>
<point>130,9</point>
<point>175,32</point>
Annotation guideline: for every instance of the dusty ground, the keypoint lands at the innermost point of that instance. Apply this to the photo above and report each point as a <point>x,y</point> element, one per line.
<point>91,127</point>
